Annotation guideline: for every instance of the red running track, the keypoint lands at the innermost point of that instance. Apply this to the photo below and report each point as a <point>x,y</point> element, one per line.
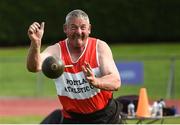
<point>42,106</point>
<point>28,106</point>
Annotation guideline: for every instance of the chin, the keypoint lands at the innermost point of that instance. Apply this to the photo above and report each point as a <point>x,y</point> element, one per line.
<point>80,42</point>
<point>79,45</point>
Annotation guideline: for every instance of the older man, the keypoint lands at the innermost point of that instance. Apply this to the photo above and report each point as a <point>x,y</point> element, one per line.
<point>84,90</point>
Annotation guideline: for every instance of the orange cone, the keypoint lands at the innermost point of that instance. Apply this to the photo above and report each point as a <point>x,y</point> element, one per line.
<point>143,104</point>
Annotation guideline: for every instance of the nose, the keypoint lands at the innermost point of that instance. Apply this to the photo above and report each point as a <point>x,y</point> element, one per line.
<point>78,30</point>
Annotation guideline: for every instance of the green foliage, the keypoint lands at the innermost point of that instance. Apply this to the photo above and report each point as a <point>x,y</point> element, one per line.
<point>115,20</point>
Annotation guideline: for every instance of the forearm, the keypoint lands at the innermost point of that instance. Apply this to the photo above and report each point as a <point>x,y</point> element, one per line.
<point>33,58</point>
<point>110,82</point>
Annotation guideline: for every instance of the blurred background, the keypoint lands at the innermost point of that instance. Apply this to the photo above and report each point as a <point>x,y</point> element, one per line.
<point>116,21</point>
<point>143,31</point>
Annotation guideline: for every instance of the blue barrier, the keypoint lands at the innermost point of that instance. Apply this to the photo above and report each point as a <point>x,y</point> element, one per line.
<point>131,72</point>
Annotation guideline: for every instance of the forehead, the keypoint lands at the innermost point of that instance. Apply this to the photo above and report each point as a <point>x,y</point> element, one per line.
<point>78,21</point>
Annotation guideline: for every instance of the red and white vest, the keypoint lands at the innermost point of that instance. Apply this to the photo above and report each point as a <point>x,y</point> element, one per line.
<point>74,92</point>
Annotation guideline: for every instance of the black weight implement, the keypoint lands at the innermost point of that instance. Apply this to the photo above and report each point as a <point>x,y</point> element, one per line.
<point>52,67</point>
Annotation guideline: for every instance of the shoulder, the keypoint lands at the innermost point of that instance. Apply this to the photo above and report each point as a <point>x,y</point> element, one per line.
<point>57,46</point>
<point>53,47</point>
<point>102,46</point>
<point>52,50</point>
<point>101,42</point>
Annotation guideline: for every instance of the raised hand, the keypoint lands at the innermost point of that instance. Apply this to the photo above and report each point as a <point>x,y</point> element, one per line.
<point>89,75</point>
<point>35,32</point>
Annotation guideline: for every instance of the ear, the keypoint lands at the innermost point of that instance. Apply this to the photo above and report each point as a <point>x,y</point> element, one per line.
<point>89,28</point>
<point>65,28</point>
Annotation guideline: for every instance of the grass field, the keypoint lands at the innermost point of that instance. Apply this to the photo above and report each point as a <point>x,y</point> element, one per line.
<point>36,119</point>
<point>15,80</point>
<point>156,70</point>
<point>21,120</point>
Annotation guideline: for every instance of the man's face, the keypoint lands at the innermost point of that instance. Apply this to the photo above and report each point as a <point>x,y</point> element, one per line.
<point>77,31</point>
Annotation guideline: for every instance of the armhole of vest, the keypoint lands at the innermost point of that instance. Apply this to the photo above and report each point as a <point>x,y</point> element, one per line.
<point>97,54</point>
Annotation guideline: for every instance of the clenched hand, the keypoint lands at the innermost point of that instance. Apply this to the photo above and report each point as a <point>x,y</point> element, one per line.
<point>35,32</point>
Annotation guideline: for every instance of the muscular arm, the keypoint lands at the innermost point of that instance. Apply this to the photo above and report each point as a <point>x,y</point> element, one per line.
<point>110,79</point>
<point>35,57</point>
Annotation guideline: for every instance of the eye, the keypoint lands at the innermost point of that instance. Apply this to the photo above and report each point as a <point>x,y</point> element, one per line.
<point>83,27</point>
<point>73,28</point>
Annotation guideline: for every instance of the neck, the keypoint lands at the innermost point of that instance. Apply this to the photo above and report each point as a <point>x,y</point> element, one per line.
<point>76,49</point>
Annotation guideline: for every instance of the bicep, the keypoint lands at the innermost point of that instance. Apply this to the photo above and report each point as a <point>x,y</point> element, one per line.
<point>50,51</point>
<point>106,61</point>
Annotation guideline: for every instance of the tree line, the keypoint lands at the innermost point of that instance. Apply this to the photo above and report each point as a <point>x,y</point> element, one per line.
<point>114,21</point>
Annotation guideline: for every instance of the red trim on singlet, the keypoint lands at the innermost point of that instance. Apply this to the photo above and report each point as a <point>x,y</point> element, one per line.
<point>88,56</point>
<point>87,105</point>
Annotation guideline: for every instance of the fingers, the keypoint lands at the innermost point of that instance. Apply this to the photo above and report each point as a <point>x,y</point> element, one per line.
<point>42,26</point>
<point>87,69</point>
<point>87,65</point>
<point>84,70</point>
<point>89,72</point>
<point>89,75</point>
<point>36,27</point>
